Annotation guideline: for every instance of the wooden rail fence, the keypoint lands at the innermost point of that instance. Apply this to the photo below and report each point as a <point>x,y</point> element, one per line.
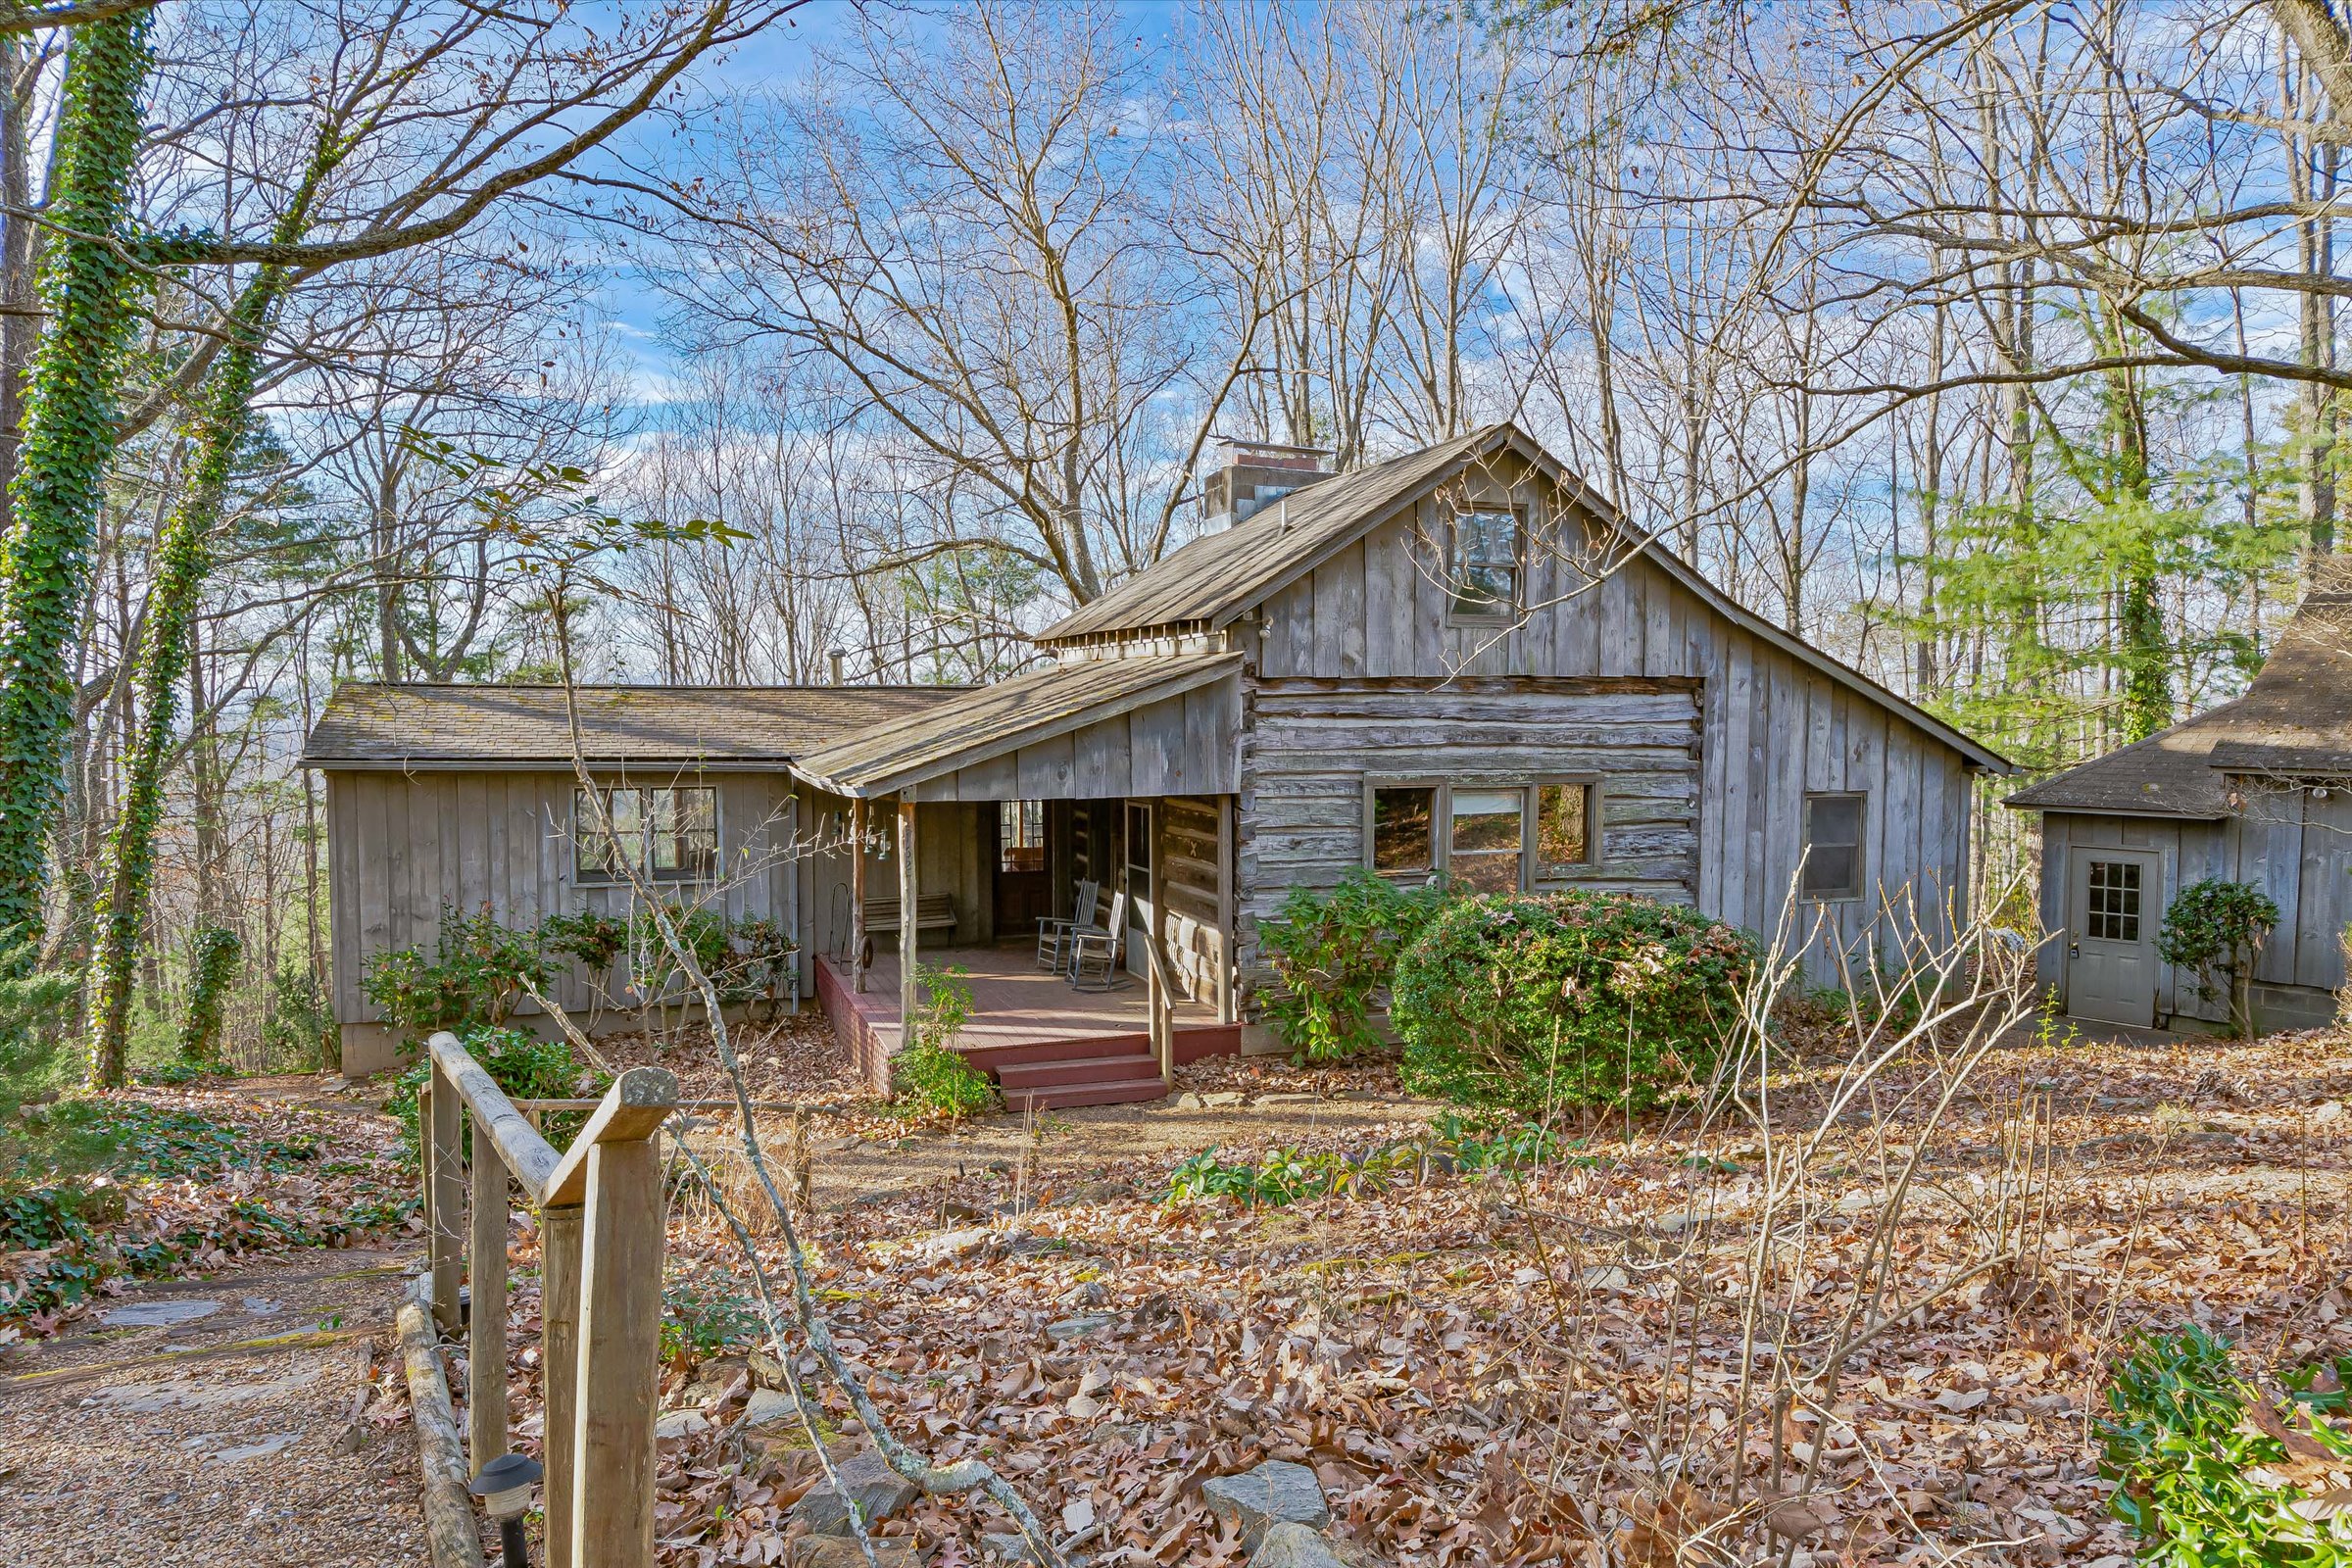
<point>600,1240</point>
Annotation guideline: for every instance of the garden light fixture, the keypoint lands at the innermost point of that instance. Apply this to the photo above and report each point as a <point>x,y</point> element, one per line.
<point>505,1487</point>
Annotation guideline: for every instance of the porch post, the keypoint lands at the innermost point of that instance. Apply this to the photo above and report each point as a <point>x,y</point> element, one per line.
<point>906,915</point>
<point>1225,906</point>
<point>858,828</point>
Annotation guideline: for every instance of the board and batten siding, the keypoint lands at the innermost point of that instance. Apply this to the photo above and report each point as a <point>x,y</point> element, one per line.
<point>2291,843</point>
<point>1770,728</point>
<point>1178,745</point>
<point>403,847</point>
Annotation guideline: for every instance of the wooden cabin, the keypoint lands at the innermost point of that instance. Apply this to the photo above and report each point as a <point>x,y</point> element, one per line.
<point>1458,662</point>
<point>2257,790</point>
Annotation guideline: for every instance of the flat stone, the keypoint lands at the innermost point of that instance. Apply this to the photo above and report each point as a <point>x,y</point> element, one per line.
<point>276,1443</point>
<point>159,1314</point>
<point>1293,1546</point>
<point>877,1489</point>
<point>953,1244</point>
<point>1009,1546</point>
<point>681,1423</point>
<point>769,1408</point>
<point>1079,1327</point>
<point>1274,1492</point>
<point>841,1551</point>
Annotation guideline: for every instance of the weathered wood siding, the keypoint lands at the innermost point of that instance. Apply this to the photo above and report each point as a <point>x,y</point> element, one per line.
<point>1187,858</point>
<point>2291,844</point>
<point>403,847</point>
<point>950,842</point>
<point>1181,745</point>
<point>1315,743</point>
<point>1770,729</point>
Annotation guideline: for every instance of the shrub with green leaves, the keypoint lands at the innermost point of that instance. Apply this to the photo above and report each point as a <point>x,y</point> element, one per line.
<point>929,1076</point>
<point>1334,952</point>
<point>525,1066</point>
<point>472,980</point>
<point>1537,1000</point>
<point>1451,1146</point>
<point>2214,929</point>
<point>591,938</point>
<point>2212,1472</point>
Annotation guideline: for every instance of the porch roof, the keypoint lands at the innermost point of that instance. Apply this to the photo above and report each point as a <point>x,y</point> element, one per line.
<point>993,722</point>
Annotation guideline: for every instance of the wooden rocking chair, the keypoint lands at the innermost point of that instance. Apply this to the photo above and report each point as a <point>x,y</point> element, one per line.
<point>1053,930</point>
<point>1095,950</point>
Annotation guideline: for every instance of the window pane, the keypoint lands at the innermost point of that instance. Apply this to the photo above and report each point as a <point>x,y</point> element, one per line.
<point>596,855</point>
<point>1561,823</point>
<point>1021,836</point>
<point>1484,565</point>
<point>1486,834</point>
<point>2113,914</point>
<point>684,832</point>
<point>1402,820</point>
<point>1829,871</point>
<point>1835,819</point>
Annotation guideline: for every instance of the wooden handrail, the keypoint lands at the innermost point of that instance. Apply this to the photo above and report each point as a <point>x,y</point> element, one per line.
<point>601,1246</point>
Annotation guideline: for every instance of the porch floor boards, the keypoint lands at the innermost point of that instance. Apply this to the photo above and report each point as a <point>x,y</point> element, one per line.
<point>1047,1044</point>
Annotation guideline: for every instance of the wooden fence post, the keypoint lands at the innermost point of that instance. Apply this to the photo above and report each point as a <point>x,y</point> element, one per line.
<point>486,1337</point>
<point>446,1177</point>
<point>559,1371</point>
<point>619,1367</point>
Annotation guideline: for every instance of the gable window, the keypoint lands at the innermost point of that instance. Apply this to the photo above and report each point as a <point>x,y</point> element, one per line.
<point>667,834</point>
<point>1834,850</point>
<point>1403,839</point>
<point>1482,565</point>
<point>1021,836</point>
<point>1566,818</point>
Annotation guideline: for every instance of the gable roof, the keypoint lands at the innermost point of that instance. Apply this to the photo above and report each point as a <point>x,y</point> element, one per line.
<point>2295,718</point>
<point>987,723</point>
<point>2171,773</point>
<point>1213,579</point>
<point>418,726</point>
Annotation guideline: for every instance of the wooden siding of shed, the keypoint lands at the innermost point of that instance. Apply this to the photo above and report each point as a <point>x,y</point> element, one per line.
<point>401,848</point>
<point>1770,728</point>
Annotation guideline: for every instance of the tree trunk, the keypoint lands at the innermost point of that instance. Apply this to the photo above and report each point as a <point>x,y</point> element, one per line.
<point>67,446</point>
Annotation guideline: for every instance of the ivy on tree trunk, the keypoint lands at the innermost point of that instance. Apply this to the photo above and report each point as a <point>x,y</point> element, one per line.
<point>88,282</point>
<point>185,559</point>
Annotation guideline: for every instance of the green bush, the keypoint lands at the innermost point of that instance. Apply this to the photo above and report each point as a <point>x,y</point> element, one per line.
<point>594,940</point>
<point>473,979</point>
<point>742,959</point>
<point>2214,929</point>
<point>1534,1000</point>
<point>1334,954</point>
<point>524,1066</point>
<point>1451,1145</point>
<point>299,1031</point>
<point>929,1076</point>
<point>2210,1472</point>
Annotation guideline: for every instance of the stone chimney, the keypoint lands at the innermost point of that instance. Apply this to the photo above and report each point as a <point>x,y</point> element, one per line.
<point>1255,473</point>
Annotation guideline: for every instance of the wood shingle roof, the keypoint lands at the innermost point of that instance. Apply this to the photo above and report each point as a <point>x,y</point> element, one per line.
<point>368,726</point>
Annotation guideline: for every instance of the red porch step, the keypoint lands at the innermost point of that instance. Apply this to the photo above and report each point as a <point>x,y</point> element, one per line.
<point>1062,1081</point>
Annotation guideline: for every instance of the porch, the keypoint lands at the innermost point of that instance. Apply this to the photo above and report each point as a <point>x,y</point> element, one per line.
<point>1048,1044</point>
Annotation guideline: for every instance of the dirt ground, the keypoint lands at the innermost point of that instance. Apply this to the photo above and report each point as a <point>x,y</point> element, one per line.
<point>222,1420</point>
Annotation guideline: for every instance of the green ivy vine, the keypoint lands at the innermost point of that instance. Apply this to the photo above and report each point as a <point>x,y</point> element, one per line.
<point>89,279</point>
<point>219,952</point>
<point>185,559</point>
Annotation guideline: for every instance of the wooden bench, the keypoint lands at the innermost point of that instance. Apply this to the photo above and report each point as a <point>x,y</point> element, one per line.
<point>932,912</point>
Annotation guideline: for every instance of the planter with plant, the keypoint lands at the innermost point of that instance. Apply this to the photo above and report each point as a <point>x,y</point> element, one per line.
<point>2215,930</point>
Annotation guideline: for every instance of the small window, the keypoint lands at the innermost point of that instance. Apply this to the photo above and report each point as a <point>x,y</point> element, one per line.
<point>1484,833</point>
<point>1021,836</point>
<point>670,835</point>
<point>1403,819</point>
<point>1565,825</point>
<point>1482,567</point>
<point>2114,912</point>
<point>1833,847</point>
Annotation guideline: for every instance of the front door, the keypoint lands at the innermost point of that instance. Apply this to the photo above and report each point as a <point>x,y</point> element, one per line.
<point>1139,887</point>
<point>2113,900</point>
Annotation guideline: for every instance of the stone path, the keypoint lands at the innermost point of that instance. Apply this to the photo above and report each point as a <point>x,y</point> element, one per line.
<point>214,1421</point>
